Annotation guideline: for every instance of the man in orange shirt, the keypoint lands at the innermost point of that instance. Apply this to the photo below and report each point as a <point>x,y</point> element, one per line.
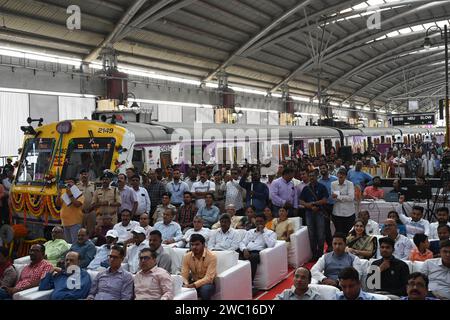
<point>421,252</point>
<point>199,268</point>
<point>374,191</point>
<point>72,213</point>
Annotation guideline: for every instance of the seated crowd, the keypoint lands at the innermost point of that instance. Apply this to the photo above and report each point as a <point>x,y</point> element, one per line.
<point>114,243</point>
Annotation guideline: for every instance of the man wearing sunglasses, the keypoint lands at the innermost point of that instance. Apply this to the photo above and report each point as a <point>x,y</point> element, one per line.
<point>152,282</point>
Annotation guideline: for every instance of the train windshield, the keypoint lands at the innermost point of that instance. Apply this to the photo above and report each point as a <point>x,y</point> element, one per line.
<point>37,156</point>
<point>91,154</point>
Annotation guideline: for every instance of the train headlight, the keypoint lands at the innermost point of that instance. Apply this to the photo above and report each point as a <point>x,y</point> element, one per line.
<point>64,127</point>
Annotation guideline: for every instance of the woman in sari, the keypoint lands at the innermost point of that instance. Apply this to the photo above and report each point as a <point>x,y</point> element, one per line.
<point>359,243</point>
<point>282,226</point>
<point>269,218</point>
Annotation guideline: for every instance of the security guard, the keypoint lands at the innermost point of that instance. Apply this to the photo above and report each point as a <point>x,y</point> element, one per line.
<point>88,189</point>
<point>106,200</point>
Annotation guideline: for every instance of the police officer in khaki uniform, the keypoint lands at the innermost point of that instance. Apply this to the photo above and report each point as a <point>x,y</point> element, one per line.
<point>106,200</point>
<point>88,189</point>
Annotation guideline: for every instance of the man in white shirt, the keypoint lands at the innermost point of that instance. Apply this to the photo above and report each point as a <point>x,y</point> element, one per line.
<point>224,238</point>
<point>372,227</point>
<point>403,245</point>
<point>234,192</point>
<point>144,223</point>
<point>414,224</point>
<point>101,259</point>
<point>197,229</point>
<point>399,163</point>
<point>201,188</point>
<point>256,240</point>
<point>442,218</point>
<point>132,257</point>
<point>438,272</point>
<point>343,193</point>
<point>142,197</point>
<point>125,227</point>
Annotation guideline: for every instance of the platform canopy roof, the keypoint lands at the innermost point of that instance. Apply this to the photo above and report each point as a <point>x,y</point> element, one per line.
<point>363,53</point>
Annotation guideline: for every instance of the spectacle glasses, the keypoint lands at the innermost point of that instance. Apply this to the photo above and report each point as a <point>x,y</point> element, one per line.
<point>416,284</point>
<point>144,258</point>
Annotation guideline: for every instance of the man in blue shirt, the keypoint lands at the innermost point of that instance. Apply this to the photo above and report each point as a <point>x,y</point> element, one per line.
<point>85,248</point>
<point>358,177</point>
<point>326,179</point>
<point>313,197</point>
<point>177,188</point>
<point>257,193</point>
<point>101,259</point>
<point>351,286</point>
<point>209,213</point>
<point>72,283</point>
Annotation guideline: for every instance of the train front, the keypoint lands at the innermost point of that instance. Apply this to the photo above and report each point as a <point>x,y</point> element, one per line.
<point>55,152</point>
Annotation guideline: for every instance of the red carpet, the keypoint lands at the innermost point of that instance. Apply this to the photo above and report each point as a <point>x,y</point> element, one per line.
<point>285,284</point>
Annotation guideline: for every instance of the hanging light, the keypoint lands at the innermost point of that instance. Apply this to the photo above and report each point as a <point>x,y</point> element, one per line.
<point>427,43</point>
<point>240,114</point>
<point>235,114</point>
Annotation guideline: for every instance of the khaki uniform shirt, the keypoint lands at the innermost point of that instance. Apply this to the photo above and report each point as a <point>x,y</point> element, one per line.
<point>110,195</point>
<point>88,193</point>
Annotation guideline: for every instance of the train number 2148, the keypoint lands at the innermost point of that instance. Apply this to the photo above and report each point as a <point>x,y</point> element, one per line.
<point>105,130</point>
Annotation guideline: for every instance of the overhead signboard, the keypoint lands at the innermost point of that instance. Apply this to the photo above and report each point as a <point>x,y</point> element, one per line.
<point>413,119</point>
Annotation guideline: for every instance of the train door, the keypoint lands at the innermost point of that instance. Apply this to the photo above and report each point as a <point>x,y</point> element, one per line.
<point>165,158</point>
<point>299,148</point>
<point>138,160</point>
<point>337,145</point>
<point>328,145</point>
<point>369,142</point>
<point>151,157</point>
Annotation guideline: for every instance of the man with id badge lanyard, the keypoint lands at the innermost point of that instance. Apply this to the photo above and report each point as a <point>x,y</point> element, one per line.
<point>313,197</point>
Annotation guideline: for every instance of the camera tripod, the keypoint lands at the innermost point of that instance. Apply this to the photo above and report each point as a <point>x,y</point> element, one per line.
<point>430,214</point>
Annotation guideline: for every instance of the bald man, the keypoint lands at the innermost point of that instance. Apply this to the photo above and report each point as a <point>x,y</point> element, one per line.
<point>301,289</point>
<point>57,247</point>
<point>403,245</point>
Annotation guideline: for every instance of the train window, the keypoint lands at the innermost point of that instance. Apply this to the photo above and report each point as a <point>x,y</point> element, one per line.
<point>37,156</point>
<point>284,151</point>
<point>276,151</point>
<point>238,154</point>
<point>311,152</point>
<point>253,156</point>
<point>85,153</point>
<point>222,155</point>
<point>318,149</point>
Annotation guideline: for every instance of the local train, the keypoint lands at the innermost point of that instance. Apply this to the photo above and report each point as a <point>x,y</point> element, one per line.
<point>116,140</point>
